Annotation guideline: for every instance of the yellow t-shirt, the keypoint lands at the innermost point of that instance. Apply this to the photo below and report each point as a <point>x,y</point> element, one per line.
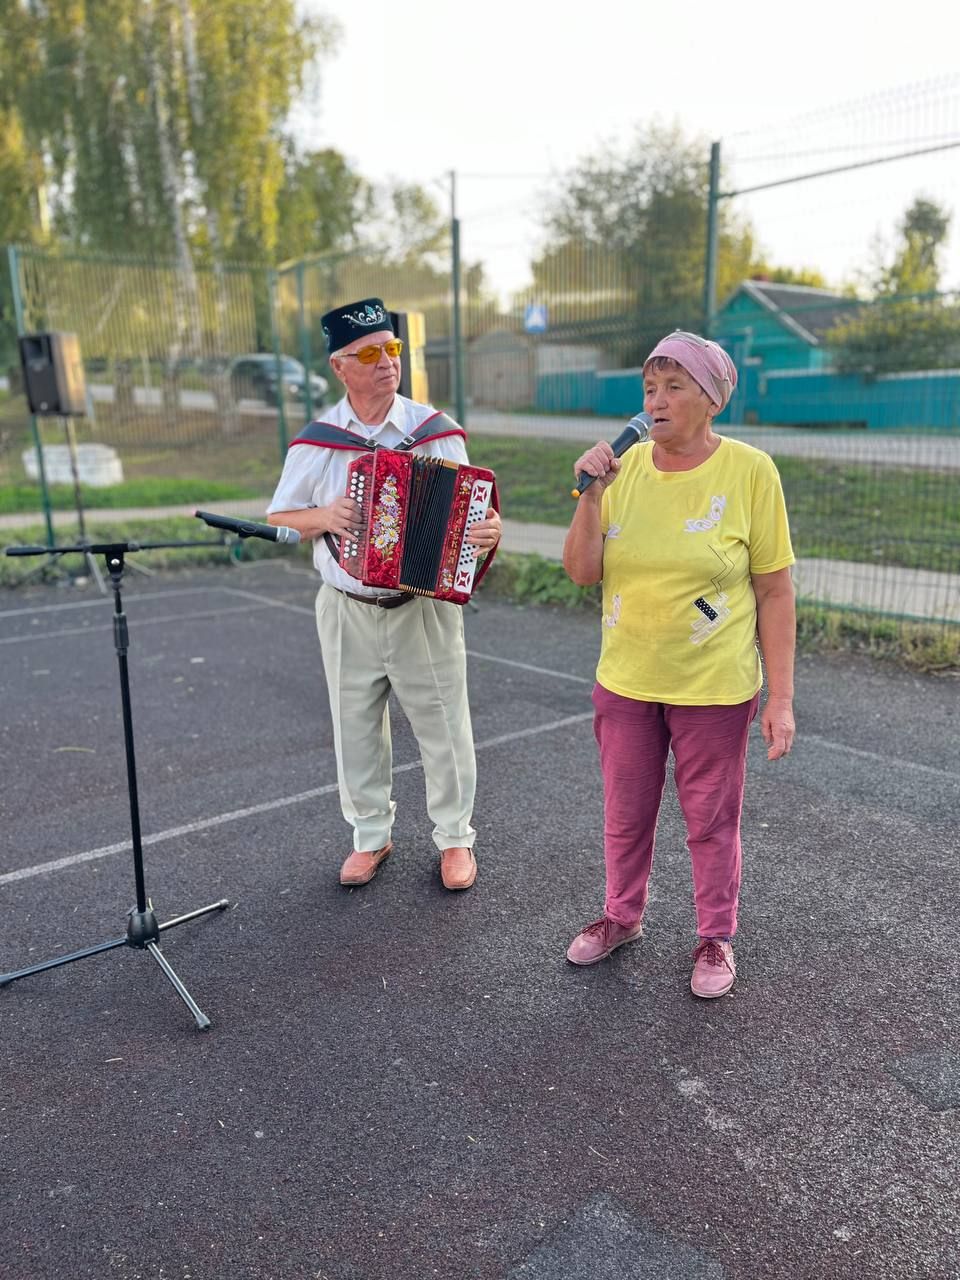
<point>679,612</point>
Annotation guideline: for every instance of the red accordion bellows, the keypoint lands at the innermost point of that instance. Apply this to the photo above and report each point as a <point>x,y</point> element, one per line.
<point>416,513</point>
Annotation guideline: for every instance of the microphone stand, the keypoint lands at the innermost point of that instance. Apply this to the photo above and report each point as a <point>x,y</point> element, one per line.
<point>142,927</point>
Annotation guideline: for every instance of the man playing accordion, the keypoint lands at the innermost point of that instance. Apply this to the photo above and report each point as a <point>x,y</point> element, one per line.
<point>374,641</point>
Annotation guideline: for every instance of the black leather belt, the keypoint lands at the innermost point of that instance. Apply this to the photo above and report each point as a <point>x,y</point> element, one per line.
<point>382,602</point>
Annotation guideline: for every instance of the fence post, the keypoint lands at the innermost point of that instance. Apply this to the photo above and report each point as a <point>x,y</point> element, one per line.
<point>13,263</point>
<point>710,271</point>
<point>275,335</point>
<point>304,342</point>
<point>457,333</point>
<point>457,362</point>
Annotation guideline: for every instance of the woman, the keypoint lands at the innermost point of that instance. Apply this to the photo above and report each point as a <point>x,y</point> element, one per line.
<point>688,534</point>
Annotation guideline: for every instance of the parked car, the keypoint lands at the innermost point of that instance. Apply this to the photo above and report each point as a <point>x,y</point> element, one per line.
<point>254,377</point>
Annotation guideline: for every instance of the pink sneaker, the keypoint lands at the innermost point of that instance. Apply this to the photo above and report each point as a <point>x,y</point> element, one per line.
<point>598,939</point>
<point>713,968</point>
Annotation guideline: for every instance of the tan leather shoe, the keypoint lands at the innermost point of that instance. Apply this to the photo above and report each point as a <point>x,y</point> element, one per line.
<point>458,868</point>
<point>362,866</point>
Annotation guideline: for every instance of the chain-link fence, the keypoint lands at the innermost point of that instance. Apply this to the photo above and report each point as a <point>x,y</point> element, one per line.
<point>181,380</point>
<point>197,379</point>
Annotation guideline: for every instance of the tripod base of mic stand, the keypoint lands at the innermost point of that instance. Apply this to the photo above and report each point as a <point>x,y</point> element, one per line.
<point>142,933</point>
<point>52,569</point>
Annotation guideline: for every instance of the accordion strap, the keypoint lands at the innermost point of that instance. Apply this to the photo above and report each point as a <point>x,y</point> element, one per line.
<point>327,436</point>
<point>435,427</point>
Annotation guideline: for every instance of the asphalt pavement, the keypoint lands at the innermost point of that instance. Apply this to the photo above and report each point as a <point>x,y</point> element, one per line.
<point>402,1082</point>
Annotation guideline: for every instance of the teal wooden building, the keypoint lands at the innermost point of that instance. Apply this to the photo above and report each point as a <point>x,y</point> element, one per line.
<point>776,335</point>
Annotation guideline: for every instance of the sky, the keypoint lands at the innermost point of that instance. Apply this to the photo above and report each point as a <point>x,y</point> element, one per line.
<point>511,95</point>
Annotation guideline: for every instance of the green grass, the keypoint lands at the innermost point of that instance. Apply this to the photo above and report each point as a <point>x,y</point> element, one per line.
<point>13,569</point>
<point>871,514</point>
<point>883,515</point>
<point>878,515</point>
<point>155,491</point>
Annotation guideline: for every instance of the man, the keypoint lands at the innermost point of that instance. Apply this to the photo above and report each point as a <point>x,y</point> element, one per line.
<point>372,641</point>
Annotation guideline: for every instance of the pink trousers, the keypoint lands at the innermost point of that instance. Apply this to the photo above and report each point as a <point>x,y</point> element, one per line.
<point>709,747</point>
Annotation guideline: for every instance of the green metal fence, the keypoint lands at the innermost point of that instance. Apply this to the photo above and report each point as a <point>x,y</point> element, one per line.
<point>160,351</point>
<point>858,403</point>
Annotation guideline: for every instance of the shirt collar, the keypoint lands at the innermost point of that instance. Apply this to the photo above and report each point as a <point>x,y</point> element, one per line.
<point>391,420</point>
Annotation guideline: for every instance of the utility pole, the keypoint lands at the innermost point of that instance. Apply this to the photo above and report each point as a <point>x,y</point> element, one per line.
<point>456,364</point>
<point>710,273</point>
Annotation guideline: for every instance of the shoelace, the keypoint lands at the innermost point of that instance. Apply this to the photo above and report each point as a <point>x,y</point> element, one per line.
<point>711,952</point>
<point>597,926</point>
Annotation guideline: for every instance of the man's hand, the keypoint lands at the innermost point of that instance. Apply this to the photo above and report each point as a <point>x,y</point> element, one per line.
<point>486,533</point>
<point>343,516</point>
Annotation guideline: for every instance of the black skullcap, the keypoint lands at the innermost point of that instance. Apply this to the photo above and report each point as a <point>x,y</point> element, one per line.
<point>343,325</point>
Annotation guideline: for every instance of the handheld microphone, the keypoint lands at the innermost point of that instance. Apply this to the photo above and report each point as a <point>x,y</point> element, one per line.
<point>248,529</point>
<point>637,429</point>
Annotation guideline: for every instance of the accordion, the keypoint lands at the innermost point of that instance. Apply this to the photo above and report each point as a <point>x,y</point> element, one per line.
<point>415,515</point>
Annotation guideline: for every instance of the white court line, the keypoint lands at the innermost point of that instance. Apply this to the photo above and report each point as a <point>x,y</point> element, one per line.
<point>100,601</point>
<point>34,637</point>
<point>528,666</point>
<point>875,758</point>
<point>276,604</point>
<point>471,653</point>
<point>239,814</point>
<point>235,815</point>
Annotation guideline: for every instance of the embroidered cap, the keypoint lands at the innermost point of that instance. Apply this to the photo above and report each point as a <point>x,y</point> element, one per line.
<point>343,325</point>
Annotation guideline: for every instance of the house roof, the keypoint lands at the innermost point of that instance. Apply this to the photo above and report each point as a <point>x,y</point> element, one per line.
<point>805,311</point>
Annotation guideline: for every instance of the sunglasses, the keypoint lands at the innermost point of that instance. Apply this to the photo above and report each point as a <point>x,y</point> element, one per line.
<point>371,354</point>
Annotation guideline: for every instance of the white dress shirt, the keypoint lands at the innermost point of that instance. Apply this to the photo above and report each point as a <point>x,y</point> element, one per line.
<point>314,476</point>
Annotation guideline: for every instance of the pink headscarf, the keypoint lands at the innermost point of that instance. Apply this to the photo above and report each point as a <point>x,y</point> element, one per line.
<point>705,361</point>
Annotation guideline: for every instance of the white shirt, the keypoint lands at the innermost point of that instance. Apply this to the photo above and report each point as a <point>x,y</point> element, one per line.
<point>314,476</point>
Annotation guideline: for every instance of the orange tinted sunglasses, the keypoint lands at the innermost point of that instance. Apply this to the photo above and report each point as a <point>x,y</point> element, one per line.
<point>371,354</point>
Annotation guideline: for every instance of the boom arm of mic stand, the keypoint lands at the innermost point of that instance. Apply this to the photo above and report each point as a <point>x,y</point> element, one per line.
<point>108,548</point>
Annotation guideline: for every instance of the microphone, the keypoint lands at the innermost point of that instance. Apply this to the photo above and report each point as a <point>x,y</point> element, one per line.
<point>248,529</point>
<point>637,429</point>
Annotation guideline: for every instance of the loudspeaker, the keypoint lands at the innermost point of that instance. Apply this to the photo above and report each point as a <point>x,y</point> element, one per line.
<point>410,328</point>
<point>53,374</point>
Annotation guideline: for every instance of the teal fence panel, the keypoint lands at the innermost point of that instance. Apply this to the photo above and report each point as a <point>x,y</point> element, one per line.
<point>925,401</point>
<point>567,392</point>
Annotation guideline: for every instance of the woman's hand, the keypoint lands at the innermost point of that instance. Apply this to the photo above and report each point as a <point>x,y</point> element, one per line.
<point>777,726</point>
<point>598,461</point>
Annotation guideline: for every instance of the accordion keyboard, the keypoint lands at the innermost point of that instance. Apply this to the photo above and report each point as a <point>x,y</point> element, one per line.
<point>477,510</point>
<point>359,490</point>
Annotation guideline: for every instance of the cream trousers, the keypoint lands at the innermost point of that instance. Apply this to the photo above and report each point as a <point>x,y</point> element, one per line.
<point>418,652</point>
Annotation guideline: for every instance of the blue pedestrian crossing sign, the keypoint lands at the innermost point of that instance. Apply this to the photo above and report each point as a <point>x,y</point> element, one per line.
<point>535,317</point>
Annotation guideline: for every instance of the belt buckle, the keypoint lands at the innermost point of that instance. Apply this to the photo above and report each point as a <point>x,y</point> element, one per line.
<point>382,602</point>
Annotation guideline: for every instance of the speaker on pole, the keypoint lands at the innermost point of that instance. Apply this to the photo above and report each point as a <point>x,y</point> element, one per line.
<point>53,376</point>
